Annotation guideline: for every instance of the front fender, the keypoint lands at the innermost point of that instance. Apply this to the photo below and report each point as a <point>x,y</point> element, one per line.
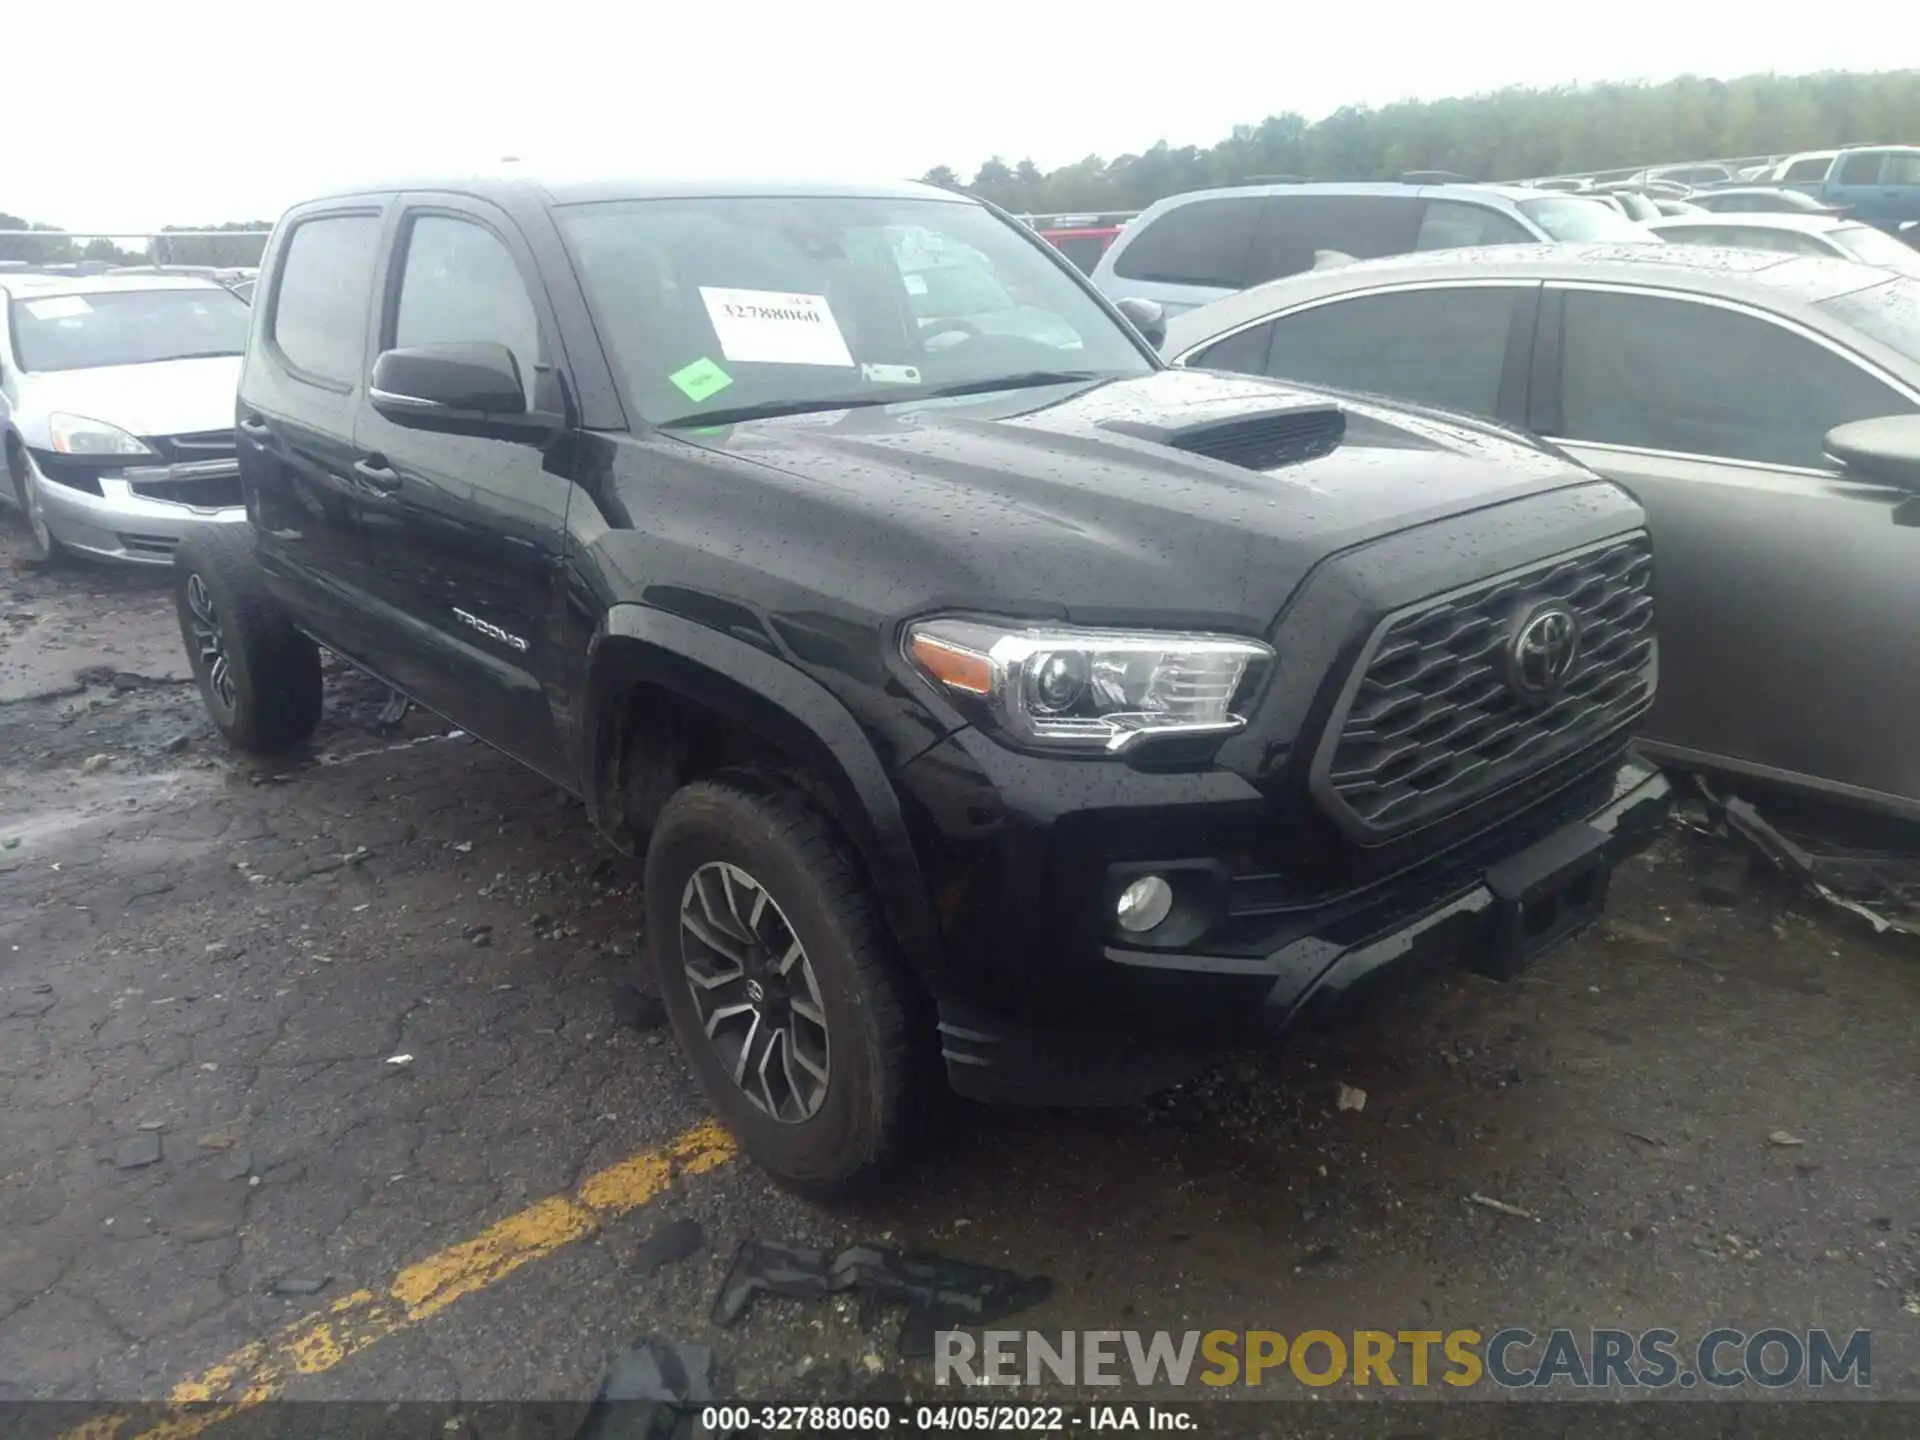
<point>769,698</point>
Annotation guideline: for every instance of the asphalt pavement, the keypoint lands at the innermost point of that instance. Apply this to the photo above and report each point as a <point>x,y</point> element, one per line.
<point>322,1080</point>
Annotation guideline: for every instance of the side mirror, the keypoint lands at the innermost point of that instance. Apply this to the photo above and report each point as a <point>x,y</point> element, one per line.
<point>470,388</point>
<point>1147,317</point>
<point>1885,451</point>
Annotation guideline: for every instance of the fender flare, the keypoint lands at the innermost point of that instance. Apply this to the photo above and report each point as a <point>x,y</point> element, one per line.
<point>767,697</point>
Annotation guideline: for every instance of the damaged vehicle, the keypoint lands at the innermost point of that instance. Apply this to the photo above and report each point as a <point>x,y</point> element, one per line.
<point>116,405</point>
<point>1052,713</point>
<point>1725,388</point>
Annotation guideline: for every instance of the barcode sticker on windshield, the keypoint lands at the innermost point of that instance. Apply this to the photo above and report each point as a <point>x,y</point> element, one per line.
<point>59,307</point>
<point>771,327</point>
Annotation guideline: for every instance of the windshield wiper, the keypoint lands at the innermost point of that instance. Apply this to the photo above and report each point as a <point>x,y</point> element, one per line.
<point>1023,381</point>
<point>768,409</point>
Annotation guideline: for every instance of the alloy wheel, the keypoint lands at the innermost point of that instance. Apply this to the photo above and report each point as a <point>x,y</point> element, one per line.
<point>755,992</point>
<point>209,643</point>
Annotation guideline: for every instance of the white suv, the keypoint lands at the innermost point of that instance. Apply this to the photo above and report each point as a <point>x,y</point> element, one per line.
<point>116,409</point>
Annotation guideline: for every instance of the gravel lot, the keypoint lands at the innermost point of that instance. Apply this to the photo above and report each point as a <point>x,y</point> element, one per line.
<point>206,968</point>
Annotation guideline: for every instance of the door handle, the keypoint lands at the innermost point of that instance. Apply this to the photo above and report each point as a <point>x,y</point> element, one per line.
<point>255,429</point>
<point>378,474</point>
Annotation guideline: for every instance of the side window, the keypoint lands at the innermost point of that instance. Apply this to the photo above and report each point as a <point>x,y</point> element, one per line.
<point>1244,353</point>
<point>1801,170</point>
<point>320,305</point>
<point>1860,168</point>
<point>1659,374</point>
<point>1449,225</point>
<point>1444,347</point>
<point>1204,243</point>
<point>1305,232</point>
<point>1902,168</point>
<point>459,283</point>
<point>1759,237</point>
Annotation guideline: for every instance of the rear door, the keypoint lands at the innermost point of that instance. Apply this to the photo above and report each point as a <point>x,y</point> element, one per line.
<point>1787,592</point>
<point>299,391</point>
<point>471,538</point>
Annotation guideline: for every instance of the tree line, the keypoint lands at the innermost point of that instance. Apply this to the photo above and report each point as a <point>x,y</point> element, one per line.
<point>50,245</point>
<point>1505,135</point>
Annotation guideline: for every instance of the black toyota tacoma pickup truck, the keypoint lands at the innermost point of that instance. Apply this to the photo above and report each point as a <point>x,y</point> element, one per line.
<point>975,688</point>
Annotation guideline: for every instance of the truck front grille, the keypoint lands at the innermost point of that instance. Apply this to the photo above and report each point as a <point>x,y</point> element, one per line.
<point>1434,725</point>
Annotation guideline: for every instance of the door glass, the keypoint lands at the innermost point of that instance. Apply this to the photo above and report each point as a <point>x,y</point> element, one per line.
<point>320,308</point>
<point>1815,169</point>
<point>1902,168</point>
<point>1245,353</point>
<point>1859,169</point>
<point>1449,225</point>
<point>1661,374</point>
<point>460,285</point>
<point>1308,232</point>
<point>1444,347</point>
<point>1203,243</point>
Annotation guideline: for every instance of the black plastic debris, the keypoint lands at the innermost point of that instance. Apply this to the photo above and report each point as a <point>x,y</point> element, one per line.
<point>669,1244</point>
<point>652,1392</point>
<point>939,1294</point>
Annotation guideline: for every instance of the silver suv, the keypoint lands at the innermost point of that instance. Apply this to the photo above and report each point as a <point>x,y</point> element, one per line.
<point>1190,249</point>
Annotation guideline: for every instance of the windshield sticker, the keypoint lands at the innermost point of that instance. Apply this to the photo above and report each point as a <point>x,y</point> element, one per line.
<point>772,327</point>
<point>891,374</point>
<point>700,379</point>
<point>59,307</point>
<point>916,284</point>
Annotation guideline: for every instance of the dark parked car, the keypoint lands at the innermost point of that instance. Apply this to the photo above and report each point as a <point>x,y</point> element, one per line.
<point>1060,710</point>
<point>1705,381</point>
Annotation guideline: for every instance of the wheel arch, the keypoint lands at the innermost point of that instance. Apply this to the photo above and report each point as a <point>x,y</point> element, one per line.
<point>783,713</point>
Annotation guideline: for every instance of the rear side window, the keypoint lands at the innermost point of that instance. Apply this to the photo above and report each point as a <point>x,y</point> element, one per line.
<point>1307,232</point>
<point>1244,353</point>
<point>1862,168</point>
<point>1449,225</point>
<point>1444,347</point>
<point>1815,169</point>
<point>1207,242</point>
<point>460,284</point>
<point>320,309</point>
<point>1694,379</point>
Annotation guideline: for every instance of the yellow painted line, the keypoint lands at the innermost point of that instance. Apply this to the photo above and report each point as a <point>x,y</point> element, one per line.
<point>316,1343</point>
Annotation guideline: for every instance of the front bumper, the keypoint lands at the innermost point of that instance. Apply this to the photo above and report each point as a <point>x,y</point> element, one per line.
<point>1127,1022</point>
<point>129,521</point>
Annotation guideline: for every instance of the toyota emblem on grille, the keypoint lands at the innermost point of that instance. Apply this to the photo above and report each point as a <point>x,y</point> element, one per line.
<point>1543,651</point>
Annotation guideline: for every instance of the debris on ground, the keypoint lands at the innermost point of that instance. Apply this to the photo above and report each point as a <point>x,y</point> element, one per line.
<point>669,1244</point>
<point>1487,1202</point>
<point>1784,1138</point>
<point>638,1006</point>
<point>393,712</point>
<point>399,1062</point>
<point>1879,882</point>
<point>939,1294</point>
<point>299,1284</point>
<point>1350,1097</point>
<point>93,764</point>
<point>138,1151</point>
<point>652,1392</point>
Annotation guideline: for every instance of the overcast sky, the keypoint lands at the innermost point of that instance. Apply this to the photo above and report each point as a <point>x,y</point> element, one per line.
<point>119,117</point>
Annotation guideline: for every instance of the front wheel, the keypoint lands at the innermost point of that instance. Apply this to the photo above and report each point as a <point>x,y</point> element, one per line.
<point>26,494</point>
<point>259,676</point>
<point>781,982</point>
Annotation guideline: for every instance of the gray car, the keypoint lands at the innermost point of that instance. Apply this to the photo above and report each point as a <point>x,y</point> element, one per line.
<point>1704,381</point>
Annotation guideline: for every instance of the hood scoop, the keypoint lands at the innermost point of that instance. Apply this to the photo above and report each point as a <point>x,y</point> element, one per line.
<point>1267,441</point>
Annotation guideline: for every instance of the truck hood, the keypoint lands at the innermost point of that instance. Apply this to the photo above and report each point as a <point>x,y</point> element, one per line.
<point>1060,500</point>
<point>169,397</point>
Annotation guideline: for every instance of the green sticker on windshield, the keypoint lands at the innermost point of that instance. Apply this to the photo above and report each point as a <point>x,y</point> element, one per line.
<point>701,379</point>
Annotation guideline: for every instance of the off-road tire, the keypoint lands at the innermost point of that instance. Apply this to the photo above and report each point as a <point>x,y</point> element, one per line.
<point>272,684</point>
<point>879,1079</point>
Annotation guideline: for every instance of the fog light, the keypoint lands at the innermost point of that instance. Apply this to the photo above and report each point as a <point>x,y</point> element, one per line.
<point>1144,904</point>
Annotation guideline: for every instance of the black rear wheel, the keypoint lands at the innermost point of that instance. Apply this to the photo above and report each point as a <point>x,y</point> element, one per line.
<point>259,676</point>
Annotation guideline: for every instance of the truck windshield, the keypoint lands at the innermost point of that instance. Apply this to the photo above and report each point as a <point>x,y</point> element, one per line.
<point>126,327</point>
<point>784,304</point>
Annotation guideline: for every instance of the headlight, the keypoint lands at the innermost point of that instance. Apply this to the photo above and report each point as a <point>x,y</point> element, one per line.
<point>1091,691</point>
<point>77,435</point>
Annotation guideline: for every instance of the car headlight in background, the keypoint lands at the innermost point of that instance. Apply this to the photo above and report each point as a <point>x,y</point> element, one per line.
<point>1091,691</point>
<point>77,435</point>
